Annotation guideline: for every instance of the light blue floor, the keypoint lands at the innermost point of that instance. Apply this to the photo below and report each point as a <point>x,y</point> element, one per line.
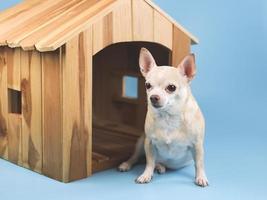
<point>231,88</point>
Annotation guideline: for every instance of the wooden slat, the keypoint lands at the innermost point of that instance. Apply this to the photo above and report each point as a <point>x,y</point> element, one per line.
<point>142,21</point>
<point>64,29</point>
<point>77,120</point>
<point>14,139</point>
<point>122,22</point>
<point>52,115</point>
<point>117,127</point>
<point>88,104</point>
<point>57,25</point>
<point>110,149</point>
<point>14,120</point>
<point>31,26</point>
<point>181,46</point>
<point>25,15</point>
<point>162,30</point>
<point>102,33</point>
<point>15,10</point>
<point>193,38</point>
<point>3,104</point>
<point>13,73</point>
<point>48,24</point>
<point>31,110</point>
<point>82,22</point>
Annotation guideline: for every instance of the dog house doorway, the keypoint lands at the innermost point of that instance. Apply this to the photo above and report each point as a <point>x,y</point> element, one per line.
<point>119,101</point>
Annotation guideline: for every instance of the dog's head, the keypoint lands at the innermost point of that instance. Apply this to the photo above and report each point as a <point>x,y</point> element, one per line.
<point>166,86</point>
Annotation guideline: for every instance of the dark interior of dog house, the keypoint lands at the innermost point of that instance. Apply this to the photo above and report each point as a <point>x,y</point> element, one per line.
<point>119,100</point>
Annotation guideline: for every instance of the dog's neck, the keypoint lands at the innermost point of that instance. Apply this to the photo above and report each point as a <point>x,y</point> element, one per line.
<point>163,114</point>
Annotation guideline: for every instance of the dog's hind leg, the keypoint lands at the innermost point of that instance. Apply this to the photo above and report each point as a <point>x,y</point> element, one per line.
<point>138,152</point>
<point>160,169</point>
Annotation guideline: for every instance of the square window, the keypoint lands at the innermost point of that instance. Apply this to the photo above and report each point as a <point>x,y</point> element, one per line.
<point>14,101</point>
<point>130,87</point>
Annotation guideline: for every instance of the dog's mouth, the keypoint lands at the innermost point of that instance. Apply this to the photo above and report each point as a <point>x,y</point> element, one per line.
<point>156,105</point>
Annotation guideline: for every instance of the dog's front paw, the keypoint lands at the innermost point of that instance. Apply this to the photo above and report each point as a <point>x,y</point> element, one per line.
<point>201,181</point>
<point>124,167</point>
<point>144,178</point>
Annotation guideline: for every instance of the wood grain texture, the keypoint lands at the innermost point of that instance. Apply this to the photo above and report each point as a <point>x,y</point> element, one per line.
<point>181,46</point>
<point>102,33</point>
<point>13,72</point>
<point>25,15</point>
<point>57,25</point>
<point>143,21</point>
<point>46,25</point>
<point>110,148</point>
<point>193,39</point>
<point>3,104</point>
<point>88,96</point>
<point>122,22</point>
<point>31,26</point>
<point>13,11</point>
<point>14,120</point>
<point>52,115</point>
<point>81,22</point>
<point>14,139</point>
<point>31,110</point>
<point>77,120</point>
<point>162,30</point>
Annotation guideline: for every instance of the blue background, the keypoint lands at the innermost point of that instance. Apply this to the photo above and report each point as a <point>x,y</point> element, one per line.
<point>231,88</point>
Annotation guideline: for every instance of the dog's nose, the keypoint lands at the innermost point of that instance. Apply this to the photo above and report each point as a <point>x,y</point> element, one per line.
<point>154,99</point>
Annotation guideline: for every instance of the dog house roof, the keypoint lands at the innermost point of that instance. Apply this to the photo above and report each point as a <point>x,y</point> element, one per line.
<point>46,25</point>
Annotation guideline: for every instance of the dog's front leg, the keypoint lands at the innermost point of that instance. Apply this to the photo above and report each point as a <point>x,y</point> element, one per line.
<point>150,163</point>
<point>198,153</point>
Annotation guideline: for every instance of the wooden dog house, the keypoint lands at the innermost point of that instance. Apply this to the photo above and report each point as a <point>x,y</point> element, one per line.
<point>65,67</point>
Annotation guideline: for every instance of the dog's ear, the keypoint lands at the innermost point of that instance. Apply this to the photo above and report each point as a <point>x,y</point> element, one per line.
<point>188,66</point>
<point>146,61</point>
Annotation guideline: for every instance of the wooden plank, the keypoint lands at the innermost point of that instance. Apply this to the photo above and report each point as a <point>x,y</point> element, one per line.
<point>117,127</point>
<point>52,115</point>
<point>59,37</point>
<point>162,30</point>
<point>31,110</point>
<point>193,39</point>
<point>3,104</point>
<point>122,22</point>
<point>88,104</point>
<point>110,149</point>
<point>13,72</point>
<point>57,25</point>
<point>27,14</point>
<point>14,138</point>
<point>181,46</point>
<point>142,21</point>
<point>102,33</point>
<point>13,11</point>
<point>64,30</point>
<point>77,113</point>
<point>14,120</point>
<point>18,33</point>
<point>46,25</point>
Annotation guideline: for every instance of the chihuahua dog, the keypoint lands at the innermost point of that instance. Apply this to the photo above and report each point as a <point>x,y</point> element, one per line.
<point>174,125</point>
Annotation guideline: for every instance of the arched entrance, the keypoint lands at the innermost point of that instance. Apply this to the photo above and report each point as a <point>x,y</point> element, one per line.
<point>119,100</point>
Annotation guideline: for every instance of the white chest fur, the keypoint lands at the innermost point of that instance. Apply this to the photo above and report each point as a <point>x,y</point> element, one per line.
<point>169,140</point>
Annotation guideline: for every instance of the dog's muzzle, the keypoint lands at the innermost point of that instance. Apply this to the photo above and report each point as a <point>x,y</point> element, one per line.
<point>155,101</point>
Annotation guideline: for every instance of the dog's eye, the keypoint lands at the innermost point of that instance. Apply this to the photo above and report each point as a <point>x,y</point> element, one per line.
<point>148,86</point>
<point>171,88</point>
